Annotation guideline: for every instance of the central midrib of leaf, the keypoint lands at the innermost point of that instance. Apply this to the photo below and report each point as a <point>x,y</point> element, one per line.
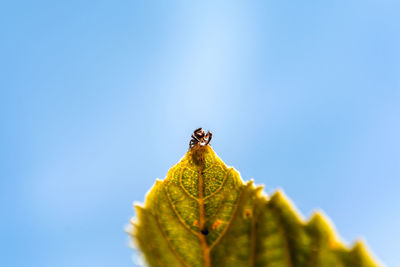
<point>202,220</point>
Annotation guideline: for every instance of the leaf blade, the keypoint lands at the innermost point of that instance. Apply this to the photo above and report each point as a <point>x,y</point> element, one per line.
<point>202,214</point>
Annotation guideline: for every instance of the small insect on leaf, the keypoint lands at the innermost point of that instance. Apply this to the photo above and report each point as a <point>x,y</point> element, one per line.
<point>202,214</point>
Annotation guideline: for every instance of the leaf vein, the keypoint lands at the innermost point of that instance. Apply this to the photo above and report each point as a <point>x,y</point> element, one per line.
<point>232,218</point>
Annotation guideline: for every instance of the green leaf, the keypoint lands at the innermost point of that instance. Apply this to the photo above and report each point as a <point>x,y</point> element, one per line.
<point>202,214</point>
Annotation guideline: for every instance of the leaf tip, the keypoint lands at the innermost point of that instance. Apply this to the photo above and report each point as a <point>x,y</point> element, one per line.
<point>279,195</point>
<point>363,254</point>
<point>320,221</point>
<point>279,198</point>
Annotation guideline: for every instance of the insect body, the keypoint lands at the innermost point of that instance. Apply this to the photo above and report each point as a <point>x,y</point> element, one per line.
<point>199,137</point>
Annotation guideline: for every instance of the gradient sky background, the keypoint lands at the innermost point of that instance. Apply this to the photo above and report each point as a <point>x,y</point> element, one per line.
<point>99,98</point>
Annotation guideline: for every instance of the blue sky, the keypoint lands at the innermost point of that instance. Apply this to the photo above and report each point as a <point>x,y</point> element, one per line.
<point>99,98</point>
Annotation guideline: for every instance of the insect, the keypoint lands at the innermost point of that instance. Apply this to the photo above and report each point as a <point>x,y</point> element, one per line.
<point>200,137</point>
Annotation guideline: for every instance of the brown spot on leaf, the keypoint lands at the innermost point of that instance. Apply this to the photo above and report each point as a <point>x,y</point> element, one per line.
<point>247,213</point>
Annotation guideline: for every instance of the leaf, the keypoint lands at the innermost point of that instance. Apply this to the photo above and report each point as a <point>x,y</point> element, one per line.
<point>202,214</point>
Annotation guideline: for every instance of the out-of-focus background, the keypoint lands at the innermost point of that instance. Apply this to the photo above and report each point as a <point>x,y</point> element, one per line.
<point>99,98</point>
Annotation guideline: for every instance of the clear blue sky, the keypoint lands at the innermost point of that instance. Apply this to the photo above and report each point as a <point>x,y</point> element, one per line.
<point>99,98</point>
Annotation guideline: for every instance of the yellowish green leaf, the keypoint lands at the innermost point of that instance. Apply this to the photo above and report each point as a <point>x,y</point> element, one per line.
<point>202,214</point>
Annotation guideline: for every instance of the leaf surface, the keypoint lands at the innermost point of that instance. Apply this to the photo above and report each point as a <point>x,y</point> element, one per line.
<point>203,215</point>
